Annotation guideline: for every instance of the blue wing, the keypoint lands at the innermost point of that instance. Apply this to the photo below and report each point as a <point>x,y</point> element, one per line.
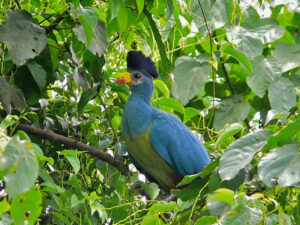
<point>177,144</point>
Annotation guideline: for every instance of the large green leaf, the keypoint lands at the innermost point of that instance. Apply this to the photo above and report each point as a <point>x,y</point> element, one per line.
<point>287,55</point>
<point>27,206</point>
<point>241,152</point>
<point>246,40</point>
<point>189,77</point>
<point>24,39</point>
<point>265,71</point>
<point>21,166</point>
<point>249,38</point>
<point>281,166</point>
<point>99,43</point>
<point>232,109</point>
<point>282,95</point>
<point>171,103</point>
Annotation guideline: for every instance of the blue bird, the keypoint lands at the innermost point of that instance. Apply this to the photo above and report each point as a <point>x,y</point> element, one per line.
<point>158,143</point>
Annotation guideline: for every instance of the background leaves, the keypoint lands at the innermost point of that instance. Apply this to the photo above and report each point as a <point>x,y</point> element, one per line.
<point>238,93</point>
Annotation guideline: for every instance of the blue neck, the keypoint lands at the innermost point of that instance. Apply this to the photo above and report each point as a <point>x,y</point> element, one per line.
<point>138,110</point>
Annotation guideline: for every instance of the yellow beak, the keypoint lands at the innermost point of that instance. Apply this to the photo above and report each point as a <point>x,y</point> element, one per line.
<point>124,78</point>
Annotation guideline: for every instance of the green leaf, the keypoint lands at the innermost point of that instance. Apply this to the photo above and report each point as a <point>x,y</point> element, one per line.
<point>282,95</point>
<point>38,73</point>
<point>190,113</point>
<point>162,87</point>
<point>238,55</point>
<point>24,39</point>
<point>151,219</point>
<point>285,135</point>
<point>232,109</point>
<point>246,41</point>
<point>241,152</point>
<point>114,8</point>
<point>228,132</point>
<point>122,17</point>
<point>242,214</point>
<point>166,64</point>
<point>71,156</point>
<point>99,42</point>
<point>223,195</point>
<point>84,99</point>
<point>171,103</point>
<point>287,55</point>
<point>281,166</point>
<point>27,206</point>
<point>265,71</point>
<point>140,5</point>
<point>88,18</point>
<point>11,96</point>
<point>189,77</point>
<point>21,165</point>
<point>163,207</point>
<point>206,220</point>
<point>4,206</point>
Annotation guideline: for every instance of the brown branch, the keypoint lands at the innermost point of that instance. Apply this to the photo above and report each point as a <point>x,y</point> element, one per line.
<point>92,150</point>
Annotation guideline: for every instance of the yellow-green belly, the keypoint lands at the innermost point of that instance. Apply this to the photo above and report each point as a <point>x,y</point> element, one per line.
<point>145,155</point>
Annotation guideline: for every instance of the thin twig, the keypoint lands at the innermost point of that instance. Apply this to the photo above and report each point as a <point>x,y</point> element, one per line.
<point>18,4</point>
<point>45,19</point>
<point>223,67</point>
<point>63,28</point>
<point>109,118</point>
<point>211,58</point>
<point>208,31</point>
<point>92,150</point>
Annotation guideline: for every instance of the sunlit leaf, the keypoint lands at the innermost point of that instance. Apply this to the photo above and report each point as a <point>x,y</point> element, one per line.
<point>241,152</point>
<point>27,206</point>
<point>282,95</point>
<point>265,71</point>
<point>189,76</point>
<point>21,165</point>
<point>281,166</point>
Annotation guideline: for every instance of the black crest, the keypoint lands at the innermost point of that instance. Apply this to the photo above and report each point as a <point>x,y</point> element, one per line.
<point>138,61</point>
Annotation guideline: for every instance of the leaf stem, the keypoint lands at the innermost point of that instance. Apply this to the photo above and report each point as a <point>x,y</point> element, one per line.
<point>109,118</point>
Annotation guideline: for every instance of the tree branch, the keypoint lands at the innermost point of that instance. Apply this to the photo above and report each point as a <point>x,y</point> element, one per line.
<point>92,150</point>
<point>55,22</point>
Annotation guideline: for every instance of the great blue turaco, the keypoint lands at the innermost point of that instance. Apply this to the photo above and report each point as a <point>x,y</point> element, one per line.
<point>158,143</point>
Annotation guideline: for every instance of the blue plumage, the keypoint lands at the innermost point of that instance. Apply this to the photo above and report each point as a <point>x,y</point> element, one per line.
<point>160,145</point>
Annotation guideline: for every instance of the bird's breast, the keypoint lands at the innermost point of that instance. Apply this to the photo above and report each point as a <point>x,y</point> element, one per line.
<point>142,151</point>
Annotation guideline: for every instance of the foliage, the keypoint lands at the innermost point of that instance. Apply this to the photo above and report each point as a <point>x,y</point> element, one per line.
<point>240,90</point>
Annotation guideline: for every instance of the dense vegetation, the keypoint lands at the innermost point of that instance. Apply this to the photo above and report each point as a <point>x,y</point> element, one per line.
<point>229,69</point>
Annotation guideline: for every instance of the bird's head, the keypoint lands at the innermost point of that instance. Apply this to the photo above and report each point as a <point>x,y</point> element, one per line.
<point>140,71</point>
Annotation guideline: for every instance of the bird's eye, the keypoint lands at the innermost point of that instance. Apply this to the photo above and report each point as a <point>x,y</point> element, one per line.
<point>137,75</point>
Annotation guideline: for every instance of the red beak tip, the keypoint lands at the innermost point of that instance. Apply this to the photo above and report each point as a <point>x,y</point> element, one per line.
<point>120,80</point>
